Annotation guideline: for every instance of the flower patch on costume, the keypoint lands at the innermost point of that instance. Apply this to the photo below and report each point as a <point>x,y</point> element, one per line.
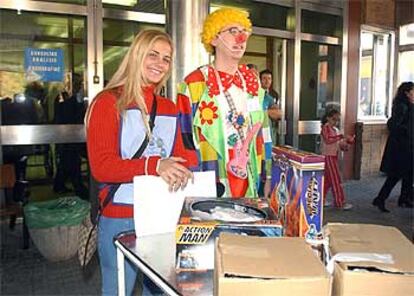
<point>237,119</point>
<point>208,112</point>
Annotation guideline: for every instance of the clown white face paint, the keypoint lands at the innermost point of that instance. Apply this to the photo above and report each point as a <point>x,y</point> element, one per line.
<point>231,41</point>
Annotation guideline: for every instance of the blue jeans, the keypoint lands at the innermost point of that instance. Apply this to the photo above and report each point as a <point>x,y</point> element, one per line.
<point>108,228</point>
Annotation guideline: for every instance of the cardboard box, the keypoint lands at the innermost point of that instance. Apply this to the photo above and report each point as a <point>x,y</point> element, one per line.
<point>196,233</point>
<point>268,266</point>
<point>368,277</point>
<point>297,191</point>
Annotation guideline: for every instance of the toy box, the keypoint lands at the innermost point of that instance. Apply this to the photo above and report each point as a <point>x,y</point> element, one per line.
<point>297,191</point>
<point>202,219</point>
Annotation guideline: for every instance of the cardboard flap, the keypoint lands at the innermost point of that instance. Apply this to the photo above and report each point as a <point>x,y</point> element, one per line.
<point>368,238</point>
<point>261,257</point>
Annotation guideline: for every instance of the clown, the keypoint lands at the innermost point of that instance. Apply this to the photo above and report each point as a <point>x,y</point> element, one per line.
<point>221,109</point>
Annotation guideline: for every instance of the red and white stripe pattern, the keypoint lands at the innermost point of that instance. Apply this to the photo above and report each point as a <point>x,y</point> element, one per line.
<point>333,179</point>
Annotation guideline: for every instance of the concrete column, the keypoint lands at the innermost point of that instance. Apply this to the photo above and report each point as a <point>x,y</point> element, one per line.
<point>184,23</point>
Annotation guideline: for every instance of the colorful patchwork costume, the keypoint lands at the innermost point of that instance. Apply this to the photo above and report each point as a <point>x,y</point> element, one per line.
<point>217,112</point>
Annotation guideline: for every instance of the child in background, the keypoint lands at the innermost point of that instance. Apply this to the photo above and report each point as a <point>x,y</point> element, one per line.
<point>332,141</point>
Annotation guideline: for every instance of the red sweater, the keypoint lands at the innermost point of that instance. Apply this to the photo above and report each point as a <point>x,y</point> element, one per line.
<point>330,140</point>
<point>103,137</point>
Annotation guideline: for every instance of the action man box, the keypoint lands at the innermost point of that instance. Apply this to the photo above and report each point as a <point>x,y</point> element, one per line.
<point>297,191</point>
<point>203,219</point>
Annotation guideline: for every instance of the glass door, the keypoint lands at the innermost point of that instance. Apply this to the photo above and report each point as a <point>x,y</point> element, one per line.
<point>117,37</point>
<point>42,90</point>
<point>320,89</point>
<point>269,53</point>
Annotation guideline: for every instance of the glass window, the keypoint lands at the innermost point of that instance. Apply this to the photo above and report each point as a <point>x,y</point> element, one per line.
<point>149,6</point>
<point>33,24</point>
<point>261,14</point>
<point>406,54</point>
<point>319,89</point>
<point>118,35</point>
<point>365,81</point>
<point>38,31</point>
<point>121,2</point>
<point>265,53</point>
<point>36,96</point>
<point>406,67</point>
<point>374,75</point>
<point>81,2</point>
<point>407,34</point>
<point>256,44</point>
<point>259,61</point>
<point>112,57</point>
<point>321,24</point>
<point>380,74</point>
<point>79,28</point>
<point>309,143</point>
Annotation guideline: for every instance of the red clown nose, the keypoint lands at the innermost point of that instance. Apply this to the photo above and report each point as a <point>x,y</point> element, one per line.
<point>241,38</point>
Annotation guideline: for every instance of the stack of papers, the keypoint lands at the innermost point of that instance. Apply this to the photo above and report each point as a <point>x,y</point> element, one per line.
<point>156,210</point>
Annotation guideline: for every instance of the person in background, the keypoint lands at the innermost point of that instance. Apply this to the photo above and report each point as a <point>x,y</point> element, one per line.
<point>118,121</point>
<point>69,108</point>
<point>397,161</point>
<point>221,109</point>
<point>17,111</point>
<point>271,105</point>
<point>26,109</point>
<point>271,99</point>
<point>332,142</point>
<point>271,102</point>
<point>35,92</point>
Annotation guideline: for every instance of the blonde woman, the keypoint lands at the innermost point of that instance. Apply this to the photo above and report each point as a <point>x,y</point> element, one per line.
<point>119,121</point>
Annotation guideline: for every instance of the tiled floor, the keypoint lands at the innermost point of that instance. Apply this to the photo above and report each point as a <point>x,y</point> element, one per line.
<point>26,272</point>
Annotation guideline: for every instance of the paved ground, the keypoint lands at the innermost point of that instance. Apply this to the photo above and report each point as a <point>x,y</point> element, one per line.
<point>360,194</point>
<point>26,272</point>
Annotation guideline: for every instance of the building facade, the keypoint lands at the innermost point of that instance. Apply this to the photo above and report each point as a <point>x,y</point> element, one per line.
<point>346,54</point>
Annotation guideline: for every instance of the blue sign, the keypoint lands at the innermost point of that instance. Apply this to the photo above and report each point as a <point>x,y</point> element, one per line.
<point>44,64</point>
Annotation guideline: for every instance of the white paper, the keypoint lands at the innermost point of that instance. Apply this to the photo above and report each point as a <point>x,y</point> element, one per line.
<point>358,257</point>
<point>156,210</point>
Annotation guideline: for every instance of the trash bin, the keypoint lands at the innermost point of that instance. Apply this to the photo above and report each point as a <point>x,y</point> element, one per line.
<point>54,225</point>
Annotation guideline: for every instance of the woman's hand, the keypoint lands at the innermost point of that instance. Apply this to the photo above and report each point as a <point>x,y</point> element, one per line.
<point>175,174</point>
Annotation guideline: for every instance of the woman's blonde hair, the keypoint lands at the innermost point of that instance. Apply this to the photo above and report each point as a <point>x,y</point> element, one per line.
<point>129,77</point>
<point>220,18</point>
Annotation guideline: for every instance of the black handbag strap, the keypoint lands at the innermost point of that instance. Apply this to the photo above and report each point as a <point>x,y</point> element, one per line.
<point>115,187</point>
<point>137,154</point>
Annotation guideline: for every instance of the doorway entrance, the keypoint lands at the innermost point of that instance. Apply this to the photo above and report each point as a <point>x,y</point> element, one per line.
<point>320,90</point>
<point>270,53</point>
